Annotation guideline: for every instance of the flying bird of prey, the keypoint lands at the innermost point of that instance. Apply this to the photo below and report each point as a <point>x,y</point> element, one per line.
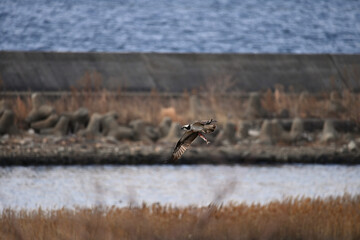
<point>193,130</point>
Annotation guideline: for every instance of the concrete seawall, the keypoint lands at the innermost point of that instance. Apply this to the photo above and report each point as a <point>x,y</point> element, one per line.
<point>50,71</point>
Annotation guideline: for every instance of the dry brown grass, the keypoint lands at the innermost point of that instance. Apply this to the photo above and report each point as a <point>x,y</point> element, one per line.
<point>153,106</point>
<point>219,95</point>
<point>129,107</point>
<point>300,218</point>
<point>352,105</point>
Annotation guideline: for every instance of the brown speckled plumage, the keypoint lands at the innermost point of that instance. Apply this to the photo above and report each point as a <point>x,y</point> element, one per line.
<point>193,130</point>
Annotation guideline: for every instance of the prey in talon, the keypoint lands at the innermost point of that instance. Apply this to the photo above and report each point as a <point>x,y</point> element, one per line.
<point>193,130</point>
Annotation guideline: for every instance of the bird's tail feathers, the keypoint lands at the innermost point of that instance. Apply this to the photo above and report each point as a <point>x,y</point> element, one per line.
<point>209,128</point>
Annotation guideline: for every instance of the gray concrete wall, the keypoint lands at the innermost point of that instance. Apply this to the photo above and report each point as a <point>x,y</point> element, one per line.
<point>49,71</point>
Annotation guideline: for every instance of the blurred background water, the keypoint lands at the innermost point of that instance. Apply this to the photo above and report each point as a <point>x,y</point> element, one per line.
<point>55,187</point>
<point>216,26</point>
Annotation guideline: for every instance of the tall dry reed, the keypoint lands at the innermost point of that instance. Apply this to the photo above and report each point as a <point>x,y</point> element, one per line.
<point>294,218</point>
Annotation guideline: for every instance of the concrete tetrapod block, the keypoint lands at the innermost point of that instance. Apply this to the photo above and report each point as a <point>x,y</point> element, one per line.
<point>40,110</point>
<point>49,122</point>
<point>174,134</point>
<point>116,131</point>
<point>329,132</point>
<point>40,113</point>
<point>243,129</point>
<point>122,133</point>
<point>111,128</point>
<point>272,132</point>
<point>297,129</point>
<point>164,126</point>
<point>60,129</point>
<point>7,122</point>
<point>152,133</point>
<point>227,135</point>
<point>139,129</point>
<point>112,114</point>
<point>78,119</point>
<point>4,105</point>
<point>254,109</point>
<point>109,122</point>
<point>93,128</point>
<point>266,132</point>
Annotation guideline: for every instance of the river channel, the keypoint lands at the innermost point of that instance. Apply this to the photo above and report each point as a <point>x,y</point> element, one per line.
<point>79,186</point>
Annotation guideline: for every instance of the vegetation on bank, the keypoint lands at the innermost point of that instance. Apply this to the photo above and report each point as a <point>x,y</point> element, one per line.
<point>299,218</point>
<point>218,98</point>
<point>154,106</point>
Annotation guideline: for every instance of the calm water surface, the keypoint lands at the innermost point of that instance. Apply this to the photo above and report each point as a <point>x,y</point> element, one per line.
<point>252,26</point>
<point>55,187</point>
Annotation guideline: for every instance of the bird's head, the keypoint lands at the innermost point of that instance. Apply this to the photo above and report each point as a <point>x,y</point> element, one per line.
<point>186,127</point>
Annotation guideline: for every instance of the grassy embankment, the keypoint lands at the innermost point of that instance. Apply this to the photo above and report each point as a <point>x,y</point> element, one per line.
<point>301,218</point>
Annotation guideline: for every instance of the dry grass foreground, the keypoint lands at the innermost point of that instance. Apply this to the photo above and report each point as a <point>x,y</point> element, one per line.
<point>299,218</point>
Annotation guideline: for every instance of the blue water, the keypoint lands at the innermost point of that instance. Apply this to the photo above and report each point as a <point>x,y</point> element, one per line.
<point>251,26</point>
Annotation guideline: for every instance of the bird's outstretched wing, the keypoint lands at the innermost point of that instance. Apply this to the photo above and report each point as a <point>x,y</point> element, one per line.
<point>183,144</point>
